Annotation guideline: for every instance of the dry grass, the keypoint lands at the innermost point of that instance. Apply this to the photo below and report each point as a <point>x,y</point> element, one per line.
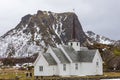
<point>13,73</point>
<point>112,74</point>
<point>21,74</point>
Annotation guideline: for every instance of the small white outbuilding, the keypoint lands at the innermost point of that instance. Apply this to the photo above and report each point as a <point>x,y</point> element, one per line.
<point>68,60</point>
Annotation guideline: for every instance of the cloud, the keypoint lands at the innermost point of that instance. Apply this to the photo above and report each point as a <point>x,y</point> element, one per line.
<point>104,18</point>
<point>100,16</point>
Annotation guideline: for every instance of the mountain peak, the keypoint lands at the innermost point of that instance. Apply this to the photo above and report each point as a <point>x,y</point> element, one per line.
<point>26,18</point>
<point>35,32</point>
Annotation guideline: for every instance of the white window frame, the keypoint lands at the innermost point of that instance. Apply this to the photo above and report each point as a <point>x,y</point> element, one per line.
<point>76,66</point>
<point>64,67</point>
<point>77,43</point>
<point>40,68</point>
<point>71,44</point>
<point>97,63</point>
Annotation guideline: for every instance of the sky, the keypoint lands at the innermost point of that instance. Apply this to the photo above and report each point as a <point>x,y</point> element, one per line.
<point>99,16</point>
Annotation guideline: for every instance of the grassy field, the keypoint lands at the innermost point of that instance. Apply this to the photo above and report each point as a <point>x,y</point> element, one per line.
<point>12,74</point>
<point>117,52</point>
<point>21,74</point>
<point>107,75</point>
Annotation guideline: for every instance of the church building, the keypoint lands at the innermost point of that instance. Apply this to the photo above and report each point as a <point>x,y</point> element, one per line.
<point>69,60</point>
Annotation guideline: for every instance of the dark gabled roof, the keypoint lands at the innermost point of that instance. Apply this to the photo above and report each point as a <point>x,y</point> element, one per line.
<point>60,55</point>
<point>71,53</point>
<point>86,56</point>
<point>80,56</point>
<point>49,59</point>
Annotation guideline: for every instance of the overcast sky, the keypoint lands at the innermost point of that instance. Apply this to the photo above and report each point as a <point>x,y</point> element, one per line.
<point>99,16</point>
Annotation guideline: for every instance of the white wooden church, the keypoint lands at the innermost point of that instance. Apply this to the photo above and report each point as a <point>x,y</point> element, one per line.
<point>68,60</point>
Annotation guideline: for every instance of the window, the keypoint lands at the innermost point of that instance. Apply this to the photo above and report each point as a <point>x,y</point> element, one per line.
<point>40,68</point>
<point>71,44</point>
<point>76,66</point>
<point>97,63</point>
<point>64,67</point>
<point>77,44</point>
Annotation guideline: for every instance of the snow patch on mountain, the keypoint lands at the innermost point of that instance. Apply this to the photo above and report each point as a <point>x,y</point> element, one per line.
<point>26,40</point>
<point>98,38</point>
<point>36,32</point>
<point>16,44</point>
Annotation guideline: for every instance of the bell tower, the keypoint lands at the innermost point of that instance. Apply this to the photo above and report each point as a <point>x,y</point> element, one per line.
<point>74,42</point>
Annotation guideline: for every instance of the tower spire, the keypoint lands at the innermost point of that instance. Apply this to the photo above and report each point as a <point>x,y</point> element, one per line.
<point>74,42</point>
<point>73,35</point>
<point>73,31</point>
<point>74,28</point>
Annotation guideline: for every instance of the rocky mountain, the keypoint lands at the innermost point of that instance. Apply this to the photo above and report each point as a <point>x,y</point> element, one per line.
<point>117,43</point>
<point>36,32</point>
<point>109,49</point>
<point>99,38</point>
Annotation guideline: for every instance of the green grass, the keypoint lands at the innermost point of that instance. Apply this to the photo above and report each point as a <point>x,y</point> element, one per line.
<point>117,52</point>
